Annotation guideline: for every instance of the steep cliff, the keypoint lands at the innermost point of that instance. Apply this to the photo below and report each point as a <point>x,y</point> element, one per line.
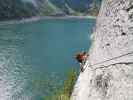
<point>108,71</point>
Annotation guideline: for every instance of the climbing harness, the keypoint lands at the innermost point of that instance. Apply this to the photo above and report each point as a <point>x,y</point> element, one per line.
<point>82,65</point>
<point>108,60</point>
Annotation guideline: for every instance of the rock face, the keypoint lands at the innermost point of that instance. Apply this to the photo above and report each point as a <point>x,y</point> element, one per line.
<point>108,71</point>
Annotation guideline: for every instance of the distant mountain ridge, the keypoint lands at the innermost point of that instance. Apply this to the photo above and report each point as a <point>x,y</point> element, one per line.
<point>19,9</point>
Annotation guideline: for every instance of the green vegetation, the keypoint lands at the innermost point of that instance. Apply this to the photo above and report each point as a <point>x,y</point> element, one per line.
<point>16,9</point>
<point>65,92</point>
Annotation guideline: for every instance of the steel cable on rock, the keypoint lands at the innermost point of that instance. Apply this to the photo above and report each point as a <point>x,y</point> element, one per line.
<point>106,60</point>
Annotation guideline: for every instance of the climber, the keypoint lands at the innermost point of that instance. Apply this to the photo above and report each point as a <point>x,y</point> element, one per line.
<point>81,58</point>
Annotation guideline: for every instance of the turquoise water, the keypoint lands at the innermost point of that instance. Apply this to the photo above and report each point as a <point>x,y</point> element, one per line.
<point>35,56</point>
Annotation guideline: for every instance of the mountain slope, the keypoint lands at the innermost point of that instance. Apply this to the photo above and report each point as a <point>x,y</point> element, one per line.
<point>70,7</point>
<point>16,9</point>
<point>47,8</point>
<point>19,9</point>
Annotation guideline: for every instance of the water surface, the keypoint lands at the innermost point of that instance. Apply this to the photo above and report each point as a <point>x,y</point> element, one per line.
<point>35,56</point>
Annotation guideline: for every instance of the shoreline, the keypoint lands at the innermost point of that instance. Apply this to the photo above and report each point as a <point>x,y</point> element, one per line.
<point>37,18</point>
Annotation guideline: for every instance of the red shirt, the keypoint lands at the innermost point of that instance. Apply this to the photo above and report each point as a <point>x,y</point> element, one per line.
<point>81,57</point>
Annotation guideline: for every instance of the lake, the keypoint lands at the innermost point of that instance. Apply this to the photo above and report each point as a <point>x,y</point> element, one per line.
<point>34,54</point>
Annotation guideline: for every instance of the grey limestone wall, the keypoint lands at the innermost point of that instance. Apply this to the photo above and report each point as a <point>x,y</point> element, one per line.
<point>108,71</point>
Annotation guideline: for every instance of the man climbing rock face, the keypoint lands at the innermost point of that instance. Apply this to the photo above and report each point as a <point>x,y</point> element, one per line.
<point>81,58</point>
